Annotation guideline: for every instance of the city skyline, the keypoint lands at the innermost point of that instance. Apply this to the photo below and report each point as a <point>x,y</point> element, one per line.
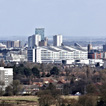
<point>69,18</point>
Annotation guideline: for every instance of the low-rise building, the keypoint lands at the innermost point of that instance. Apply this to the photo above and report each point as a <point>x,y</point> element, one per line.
<point>95,54</point>
<point>12,57</point>
<point>52,54</point>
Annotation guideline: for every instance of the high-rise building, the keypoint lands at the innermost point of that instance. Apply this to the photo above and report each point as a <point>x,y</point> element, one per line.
<point>6,76</point>
<point>43,43</point>
<point>40,31</point>
<point>57,40</point>
<point>89,47</point>
<point>10,44</point>
<point>34,41</point>
<point>104,47</point>
<point>17,44</point>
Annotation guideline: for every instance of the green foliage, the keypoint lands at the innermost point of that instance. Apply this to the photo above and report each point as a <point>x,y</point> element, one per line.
<point>13,89</point>
<point>16,87</point>
<point>48,96</point>
<point>9,91</point>
<point>36,72</point>
<point>54,71</point>
<point>27,72</point>
<point>1,88</point>
<point>1,92</point>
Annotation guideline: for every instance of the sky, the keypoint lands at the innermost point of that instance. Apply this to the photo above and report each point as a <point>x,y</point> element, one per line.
<point>71,18</point>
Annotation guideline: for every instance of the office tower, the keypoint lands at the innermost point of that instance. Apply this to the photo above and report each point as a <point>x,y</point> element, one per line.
<point>37,39</point>
<point>34,55</point>
<point>6,76</point>
<point>89,47</point>
<point>34,41</point>
<point>40,31</point>
<point>17,44</point>
<point>104,48</point>
<point>43,43</point>
<point>57,40</point>
<point>10,44</point>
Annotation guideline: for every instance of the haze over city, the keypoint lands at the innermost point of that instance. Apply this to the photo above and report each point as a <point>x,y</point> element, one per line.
<point>52,52</point>
<point>71,18</point>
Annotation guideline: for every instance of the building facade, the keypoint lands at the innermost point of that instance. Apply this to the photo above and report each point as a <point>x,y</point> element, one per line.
<point>95,55</point>
<point>40,31</point>
<point>10,44</point>
<point>47,54</point>
<point>6,76</point>
<point>17,44</point>
<point>104,48</point>
<point>34,41</point>
<point>57,40</point>
<point>43,43</point>
<point>89,47</point>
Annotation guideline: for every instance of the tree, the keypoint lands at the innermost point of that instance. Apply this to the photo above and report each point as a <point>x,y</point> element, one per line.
<point>87,100</point>
<point>36,72</point>
<point>46,100</point>
<point>51,87</point>
<point>48,75</point>
<point>103,93</point>
<point>1,88</point>
<point>54,71</point>
<point>43,74</point>
<point>91,89</point>
<point>2,84</point>
<point>9,91</point>
<point>16,87</point>
<point>54,92</point>
<point>43,92</point>
<point>2,63</point>
<point>27,72</point>
<point>66,89</point>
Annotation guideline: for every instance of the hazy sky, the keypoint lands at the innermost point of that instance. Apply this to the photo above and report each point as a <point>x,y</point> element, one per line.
<point>67,17</point>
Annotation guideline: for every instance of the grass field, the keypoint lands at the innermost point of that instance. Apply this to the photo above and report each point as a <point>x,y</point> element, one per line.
<point>30,98</point>
<point>71,97</point>
<point>26,100</point>
<point>20,98</point>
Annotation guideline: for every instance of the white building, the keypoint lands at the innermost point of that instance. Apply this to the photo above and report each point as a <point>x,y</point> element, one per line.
<point>2,46</point>
<point>11,57</point>
<point>6,76</point>
<point>51,54</point>
<point>17,44</point>
<point>34,40</point>
<point>57,40</point>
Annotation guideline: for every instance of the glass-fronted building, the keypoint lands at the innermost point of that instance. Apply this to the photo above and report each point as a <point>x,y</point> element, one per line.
<point>40,31</point>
